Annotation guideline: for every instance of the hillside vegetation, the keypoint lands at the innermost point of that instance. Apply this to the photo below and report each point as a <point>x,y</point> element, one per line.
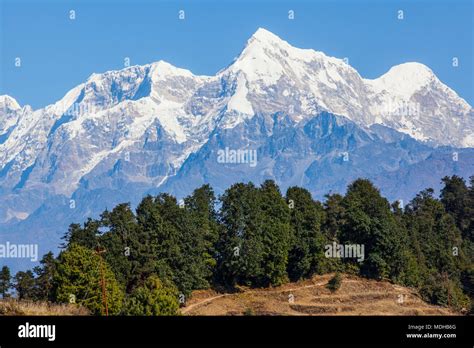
<point>152,260</point>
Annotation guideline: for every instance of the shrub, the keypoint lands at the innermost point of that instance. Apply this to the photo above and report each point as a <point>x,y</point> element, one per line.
<point>335,282</point>
<point>154,298</point>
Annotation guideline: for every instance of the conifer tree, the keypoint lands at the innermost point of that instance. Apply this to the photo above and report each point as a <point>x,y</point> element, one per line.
<point>85,236</point>
<point>153,298</point>
<point>120,240</point>
<point>458,203</point>
<point>44,283</point>
<point>306,255</point>
<point>79,278</point>
<point>240,248</point>
<point>201,205</point>
<point>255,238</point>
<point>5,281</point>
<point>25,285</point>
<point>369,221</point>
<point>275,234</point>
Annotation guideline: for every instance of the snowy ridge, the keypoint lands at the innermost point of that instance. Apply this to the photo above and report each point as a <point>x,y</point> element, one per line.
<point>8,102</point>
<point>402,80</point>
<point>162,114</point>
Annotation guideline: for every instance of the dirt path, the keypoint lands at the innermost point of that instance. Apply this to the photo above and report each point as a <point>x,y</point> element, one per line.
<point>210,299</point>
<point>197,304</point>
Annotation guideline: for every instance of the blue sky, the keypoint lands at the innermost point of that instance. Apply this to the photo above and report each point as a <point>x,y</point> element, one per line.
<point>58,53</point>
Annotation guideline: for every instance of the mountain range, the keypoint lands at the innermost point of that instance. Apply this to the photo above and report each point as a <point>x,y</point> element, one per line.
<point>311,120</point>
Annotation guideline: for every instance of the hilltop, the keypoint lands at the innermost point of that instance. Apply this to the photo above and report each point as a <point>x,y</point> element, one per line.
<point>356,296</point>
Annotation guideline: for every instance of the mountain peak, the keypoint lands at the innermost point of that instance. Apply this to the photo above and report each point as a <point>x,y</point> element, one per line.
<point>267,57</point>
<point>263,40</point>
<point>404,79</point>
<point>412,70</point>
<point>7,101</point>
<point>162,69</point>
<point>263,35</point>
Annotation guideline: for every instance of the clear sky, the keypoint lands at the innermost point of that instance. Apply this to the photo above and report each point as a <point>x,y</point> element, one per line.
<point>58,53</point>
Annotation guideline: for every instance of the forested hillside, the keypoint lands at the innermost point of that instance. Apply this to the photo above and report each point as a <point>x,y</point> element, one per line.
<point>148,261</point>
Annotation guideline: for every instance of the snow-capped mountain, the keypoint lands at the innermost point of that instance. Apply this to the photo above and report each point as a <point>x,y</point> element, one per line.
<point>411,99</point>
<point>273,76</point>
<point>312,120</point>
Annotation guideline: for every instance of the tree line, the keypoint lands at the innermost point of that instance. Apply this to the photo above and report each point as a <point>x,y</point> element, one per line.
<point>148,261</point>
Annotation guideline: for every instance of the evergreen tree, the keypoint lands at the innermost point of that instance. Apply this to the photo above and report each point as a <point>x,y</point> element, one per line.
<point>240,248</point>
<point>120,241</point>
<point>5,281</point>
<point>153,298</point>
<point>84,236</point>
<point>25,285</point>
<point>255,238</point>
<point>201,205</point>
<point>173,248</point>
<point>306,255</point>
<point>370,222</point>
<point>457,202</point>
<point>435,232</point>
<point>44,283</point>
<point>151,244</point>
<point>441,255</point>
<point>334,216</point>
<point>190,263</point>
<point>78,279</point>
<point>469,234</point>
<point>275,234</point>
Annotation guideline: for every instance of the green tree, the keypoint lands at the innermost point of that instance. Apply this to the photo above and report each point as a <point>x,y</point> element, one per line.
<point>172,249</point>
<point>190,265</point>
<point>153,298</point>
<point>84,236</point>
<point>306,254</point>
<point>470,211</point>
<point>275,233</point>
<point>240,247</point>
<point>151,245</point>
<point>435,232</point>
<point>370,222</point>
<point>44,283</point>
<point>438,247</point>
<point>5,281</point>
<point>78,277</point>
<point>201,205</point>
<point>121,242</point>
<point>25,285</point>
<point>255,237</point>
<point>334,216</point>
<point>259,238</point>
<point>457,202</point>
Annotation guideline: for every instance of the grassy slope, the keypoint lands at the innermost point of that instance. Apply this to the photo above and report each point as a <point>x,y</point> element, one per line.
<point>357,296</point>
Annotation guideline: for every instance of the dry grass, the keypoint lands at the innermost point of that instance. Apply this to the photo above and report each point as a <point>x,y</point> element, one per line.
<point>24,307</point>
<point>356,296</point>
